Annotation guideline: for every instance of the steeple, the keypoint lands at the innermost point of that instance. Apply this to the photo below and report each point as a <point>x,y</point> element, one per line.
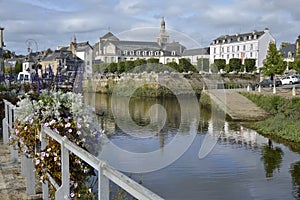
<point>163,36</point>
<point>74,40</point>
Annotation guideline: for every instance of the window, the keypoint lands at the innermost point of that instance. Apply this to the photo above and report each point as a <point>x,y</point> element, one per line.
<point>251,54</point>
<point>132,53</point>
<point>156,53</point>
<point>222,49</point>
<point>125,53</point>
<point>227,56</point>
<point>251,47</point>
<point>244,47</point>
<point>173,53</point>
<point>232,48</point>
<point>238,48</point>
<point>227,49</point>
<point>214,50</point>
<point>232,55</point>
<point>144,53</point>
<point>138,53</point>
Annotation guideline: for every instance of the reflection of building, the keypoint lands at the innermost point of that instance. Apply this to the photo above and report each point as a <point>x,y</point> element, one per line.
<point>111,49</point>
<point>252,45</point>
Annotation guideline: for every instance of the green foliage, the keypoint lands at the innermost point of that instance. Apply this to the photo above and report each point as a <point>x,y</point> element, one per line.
<point>153,60</point>
<point>235,64</point>
<point>18,67</point>
<point>121,67</point>
<point>174,66</point>
<point>139,62</point>
<point>274,63</point>
<point>249,64</point>
<point>112,67</point>
<point>220,64</point>
<point>186,66</point>
<point>100,68</point>
<point>284,121</point>
<point>272,158</point>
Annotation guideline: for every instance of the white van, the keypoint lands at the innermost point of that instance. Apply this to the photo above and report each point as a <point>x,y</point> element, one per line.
<point>24,77</point>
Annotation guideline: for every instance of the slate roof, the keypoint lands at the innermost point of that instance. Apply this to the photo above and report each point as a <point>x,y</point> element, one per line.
<point>57,54</point>
<point>82,46</point>
<point>289,48</point>
<point>199,51</point>
<point>109,36</point>
<point>135,45</point>
<point>241,37</point>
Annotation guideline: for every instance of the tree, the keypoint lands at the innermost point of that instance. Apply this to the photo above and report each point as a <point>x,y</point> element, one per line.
<point>274,63</point>
<point>121,67</point>
<point>235,64</point>
<point>18,67</point>
<point>219,64</point>
<point>249,64</point>
<point>186,66</point>
<point>174,66</point>
<point>129,65</point>
<point>112,67</point>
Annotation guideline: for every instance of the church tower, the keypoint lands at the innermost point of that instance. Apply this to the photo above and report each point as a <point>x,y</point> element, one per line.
<point>163,36</point>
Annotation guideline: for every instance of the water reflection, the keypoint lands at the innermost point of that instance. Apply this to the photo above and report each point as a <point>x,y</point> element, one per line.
<point>295,173</point>
<point>235,169</point>
<point>272,158</point>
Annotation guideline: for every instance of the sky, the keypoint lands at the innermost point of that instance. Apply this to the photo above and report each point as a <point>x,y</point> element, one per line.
<point>43,24</point>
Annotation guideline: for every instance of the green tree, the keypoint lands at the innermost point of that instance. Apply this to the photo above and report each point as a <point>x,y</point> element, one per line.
<point>153,60</point>
<point>219,64</point>
<point>18,67</point>
<point>121,67</point>
<point>274,63</point>
<point>249,64</point>
<point>139,62</point>
<point>129,65</point>
<point>186,66</point>
<point>174,66</point>
<point>235,64</point>
<point>112,67</point>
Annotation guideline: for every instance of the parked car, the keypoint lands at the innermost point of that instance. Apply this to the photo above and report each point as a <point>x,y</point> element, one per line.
<point>269,83</point>
<point>290,79</point>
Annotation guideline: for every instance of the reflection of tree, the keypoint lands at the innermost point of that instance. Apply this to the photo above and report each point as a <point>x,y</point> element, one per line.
<point>295,173</point>
<point>272,158</point>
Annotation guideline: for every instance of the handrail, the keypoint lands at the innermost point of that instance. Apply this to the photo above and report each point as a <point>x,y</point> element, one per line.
<point>105,171</point>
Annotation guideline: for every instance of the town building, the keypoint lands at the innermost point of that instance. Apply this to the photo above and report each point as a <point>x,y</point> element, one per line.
<point>110,49</point>
<point>252,45</point>
<point>198,57</point>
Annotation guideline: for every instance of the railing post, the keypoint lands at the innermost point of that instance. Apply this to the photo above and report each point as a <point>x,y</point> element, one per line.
<point>294,91</point>
<point>248,88</point>
<point>5,123</point>
<point>30,175</point>
<point>103,183</point>
<point>259,89</point>
<point>274,89</point>
<point>45,186</point>
<point>64,191</point>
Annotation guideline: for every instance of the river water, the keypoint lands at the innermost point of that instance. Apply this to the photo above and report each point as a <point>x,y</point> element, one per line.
<point>238,162</point>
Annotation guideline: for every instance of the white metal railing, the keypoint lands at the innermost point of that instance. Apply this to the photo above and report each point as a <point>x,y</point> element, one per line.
<point>106,173</point>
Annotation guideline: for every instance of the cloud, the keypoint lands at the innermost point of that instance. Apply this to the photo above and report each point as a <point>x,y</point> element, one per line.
<point>53,23</point>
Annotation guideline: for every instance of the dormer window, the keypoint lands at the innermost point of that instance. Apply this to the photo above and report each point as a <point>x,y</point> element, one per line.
<point>173,53</point>
<point>249,37</point>
<point>255,37</point>
<point>125,53</point>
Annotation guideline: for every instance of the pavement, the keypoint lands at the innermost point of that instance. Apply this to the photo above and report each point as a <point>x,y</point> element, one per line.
<point>12,184</point>
<point>236,106</point>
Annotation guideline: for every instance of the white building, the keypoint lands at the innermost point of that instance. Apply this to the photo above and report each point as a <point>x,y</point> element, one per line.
<point>193,55</point>
<point>84,51</point>
<point>253,45</point>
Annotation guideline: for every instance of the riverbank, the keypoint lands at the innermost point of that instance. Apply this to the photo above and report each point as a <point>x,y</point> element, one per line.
<point>284,119</point>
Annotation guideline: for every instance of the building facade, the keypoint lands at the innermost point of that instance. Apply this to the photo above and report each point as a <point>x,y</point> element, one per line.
<point>110,49</point>
<point>194,55</point>
<point>252,45</point>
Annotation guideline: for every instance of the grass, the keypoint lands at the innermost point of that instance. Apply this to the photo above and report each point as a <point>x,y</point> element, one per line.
<point>284,120</point>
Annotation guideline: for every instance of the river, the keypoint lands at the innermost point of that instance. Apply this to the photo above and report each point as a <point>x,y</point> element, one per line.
<point>237,162</point>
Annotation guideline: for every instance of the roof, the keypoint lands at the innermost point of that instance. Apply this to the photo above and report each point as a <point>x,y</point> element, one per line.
<point>254,35</point>
<point>109,36</point>
<point>57,54</point>
<point>174,46</point>
<point>193,52</point>
<point>82,46</point>
<point>289,48</point>
<point>135,45</point>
